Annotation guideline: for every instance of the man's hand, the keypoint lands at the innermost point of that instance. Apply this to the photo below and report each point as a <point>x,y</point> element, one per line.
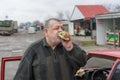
<point>68,45</point>
<point>66,40</point>
<point>80,72</point>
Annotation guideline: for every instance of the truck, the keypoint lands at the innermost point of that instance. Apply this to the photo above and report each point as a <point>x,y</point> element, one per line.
<point>8,27</point>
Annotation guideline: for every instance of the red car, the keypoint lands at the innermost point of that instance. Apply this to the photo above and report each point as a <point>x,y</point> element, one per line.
<point>102,65</point>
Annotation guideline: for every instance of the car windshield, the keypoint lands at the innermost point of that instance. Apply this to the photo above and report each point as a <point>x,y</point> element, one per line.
<point>98,62</point>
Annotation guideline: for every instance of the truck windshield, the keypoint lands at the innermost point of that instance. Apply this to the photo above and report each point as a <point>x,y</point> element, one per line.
<point>5,23</point>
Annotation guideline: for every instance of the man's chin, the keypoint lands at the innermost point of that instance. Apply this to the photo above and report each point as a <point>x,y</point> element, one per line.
<point>57,41</point>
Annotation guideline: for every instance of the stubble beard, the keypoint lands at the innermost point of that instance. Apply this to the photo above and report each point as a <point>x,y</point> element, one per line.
<point>55,40</point>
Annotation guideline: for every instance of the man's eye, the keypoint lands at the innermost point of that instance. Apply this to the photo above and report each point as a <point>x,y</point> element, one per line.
<point>62,28</point>
<point>56,28</point>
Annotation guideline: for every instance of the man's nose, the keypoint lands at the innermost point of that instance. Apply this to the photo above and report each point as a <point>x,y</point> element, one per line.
<point>60,29</point>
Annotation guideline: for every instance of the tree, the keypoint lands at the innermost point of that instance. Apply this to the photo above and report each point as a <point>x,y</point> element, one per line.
<point>36,22</point>
<point>28,24</point>
<point>112,7</point>
<point>21,25</point>
<point>60,15</point>
<point>117,7</point>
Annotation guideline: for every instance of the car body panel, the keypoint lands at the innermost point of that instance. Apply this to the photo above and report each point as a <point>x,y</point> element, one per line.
<point>113,54</point>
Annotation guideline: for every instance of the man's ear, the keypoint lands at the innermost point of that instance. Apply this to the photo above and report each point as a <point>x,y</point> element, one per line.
<point>45,30</point>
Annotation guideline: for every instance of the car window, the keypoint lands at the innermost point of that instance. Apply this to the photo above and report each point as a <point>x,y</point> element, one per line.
<point>9,66</point>
<point>98,62</point>
<point>116,73</point>
<point>10,69</point>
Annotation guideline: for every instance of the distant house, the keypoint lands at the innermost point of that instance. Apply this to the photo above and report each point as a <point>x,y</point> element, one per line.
<point>84,16</point>
<point>108,25</point>
<point>68,26</point>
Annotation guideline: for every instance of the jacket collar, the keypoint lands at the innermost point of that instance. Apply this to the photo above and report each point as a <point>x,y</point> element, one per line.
<point>45,42</point>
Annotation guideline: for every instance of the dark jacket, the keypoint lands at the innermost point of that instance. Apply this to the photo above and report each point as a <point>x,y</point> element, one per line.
<point>41,62</point>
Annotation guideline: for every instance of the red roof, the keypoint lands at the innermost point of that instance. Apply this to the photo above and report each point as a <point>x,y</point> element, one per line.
<point>89,11</point>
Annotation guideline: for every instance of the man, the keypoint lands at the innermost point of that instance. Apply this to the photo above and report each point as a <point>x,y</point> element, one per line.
<point>51,58</point>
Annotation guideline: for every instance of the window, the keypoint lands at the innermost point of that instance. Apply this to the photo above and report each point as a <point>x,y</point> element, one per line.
<point>98,62</point>
<point>116,73</point>
<point>5,23</point>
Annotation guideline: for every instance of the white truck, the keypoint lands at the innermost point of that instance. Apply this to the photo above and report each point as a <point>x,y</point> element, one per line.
<point>8,27</point>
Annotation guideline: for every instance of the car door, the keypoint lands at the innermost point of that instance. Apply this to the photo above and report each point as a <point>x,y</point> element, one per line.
<point>115,74</point>
<point>7,67</point>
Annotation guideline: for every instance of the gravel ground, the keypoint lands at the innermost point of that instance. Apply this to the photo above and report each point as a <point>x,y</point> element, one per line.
<point>16,44</point>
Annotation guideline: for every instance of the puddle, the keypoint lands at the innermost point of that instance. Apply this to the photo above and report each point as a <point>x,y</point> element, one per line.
<point>17,51</point>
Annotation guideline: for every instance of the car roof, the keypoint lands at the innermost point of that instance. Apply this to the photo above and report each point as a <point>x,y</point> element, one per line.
<point>113,53</point>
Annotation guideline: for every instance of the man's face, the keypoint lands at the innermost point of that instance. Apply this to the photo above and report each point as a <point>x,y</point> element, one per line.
<point>53,30</point>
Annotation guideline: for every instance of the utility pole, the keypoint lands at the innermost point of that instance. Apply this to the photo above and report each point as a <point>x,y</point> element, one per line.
<point>91,27</point>
<point>114,26</point>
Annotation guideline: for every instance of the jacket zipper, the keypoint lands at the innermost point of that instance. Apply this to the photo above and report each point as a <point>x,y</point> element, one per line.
<point>54,56</point>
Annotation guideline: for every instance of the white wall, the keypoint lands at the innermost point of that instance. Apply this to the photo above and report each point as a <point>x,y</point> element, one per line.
<point>71,28</point>
<point>101,28</point>
<point>68,26</point>
<point>77,14</point>
<point>100,34</point>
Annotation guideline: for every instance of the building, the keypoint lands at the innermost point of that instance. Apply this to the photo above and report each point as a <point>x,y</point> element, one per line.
<point>107,26</point>
<point>84,17</point>
<point>68,26</point>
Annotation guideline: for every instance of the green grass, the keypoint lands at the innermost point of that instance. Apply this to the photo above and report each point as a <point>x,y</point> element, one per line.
<point>88,43</point>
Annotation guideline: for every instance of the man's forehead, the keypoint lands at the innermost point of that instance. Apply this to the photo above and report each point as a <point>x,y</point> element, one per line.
<point>53,22</point>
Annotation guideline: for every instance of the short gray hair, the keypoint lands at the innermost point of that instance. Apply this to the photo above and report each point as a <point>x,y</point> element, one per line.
<point>47,22</point>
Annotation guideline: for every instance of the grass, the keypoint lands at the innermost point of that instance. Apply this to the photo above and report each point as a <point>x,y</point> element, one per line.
<point>88,43</point>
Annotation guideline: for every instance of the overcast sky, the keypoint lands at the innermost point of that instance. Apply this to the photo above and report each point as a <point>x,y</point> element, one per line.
<point>30,10</point>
